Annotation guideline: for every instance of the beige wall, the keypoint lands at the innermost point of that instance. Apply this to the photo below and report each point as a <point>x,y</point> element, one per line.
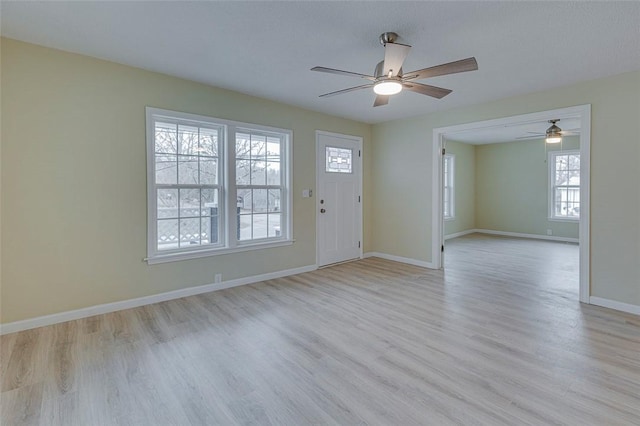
<point>512,192</point>
<point>74,181</point>
<point>402,182</point>
<point>464,187</point>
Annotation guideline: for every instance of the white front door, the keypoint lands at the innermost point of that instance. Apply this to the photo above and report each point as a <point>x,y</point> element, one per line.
<point>338,201</point>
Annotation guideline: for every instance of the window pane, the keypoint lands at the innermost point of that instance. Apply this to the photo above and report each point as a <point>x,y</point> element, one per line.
<point>243,172</point>
<point>165,138</point>
<point>573,177</point>
<point>244,200</point>
<point>573,210</point>
<point>573,195</point>
<point>208,142</point>
<point>167,234</point>
<point>258,172</point>
<point>273,149</point>
<point>189,232</point>
<point>166,169</point>
<point>562,178</point>
<point>259,200</point>
<point>274,200</point>
<point>561,162</point>
<point>274,225</point>
<point>259,226</point>
<point>189,203</point>
<point>561,202</point>
<point>243,145</point>
<point>338,160</point>
<point>209,202</point>
<point>245,227</point>
<point>188,140</point>
<point>167,203</point>
<point>188,170</point>
<point>273,173</point>
<point>258,147</point>
<point>447,211</point>
<point>574,162</point>
<point>209,230</point>
<point>208,171</point>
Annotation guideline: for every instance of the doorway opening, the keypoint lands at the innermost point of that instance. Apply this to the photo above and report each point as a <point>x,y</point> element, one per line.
<point>578,117</point>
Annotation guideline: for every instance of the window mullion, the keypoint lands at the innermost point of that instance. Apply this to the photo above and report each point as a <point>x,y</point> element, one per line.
<point>231,192</point>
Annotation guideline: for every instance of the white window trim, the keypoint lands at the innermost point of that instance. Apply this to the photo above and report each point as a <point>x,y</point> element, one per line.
<point>551,161</point>
<point>229,244</point>
<point>452,197</point>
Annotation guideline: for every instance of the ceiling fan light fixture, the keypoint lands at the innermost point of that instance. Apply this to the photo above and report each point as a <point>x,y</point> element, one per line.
<point>553,133</point>
<point>387,87</point>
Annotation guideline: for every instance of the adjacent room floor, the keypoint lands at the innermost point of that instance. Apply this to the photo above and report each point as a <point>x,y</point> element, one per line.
<point>531,268</point>
<point>498,338</point>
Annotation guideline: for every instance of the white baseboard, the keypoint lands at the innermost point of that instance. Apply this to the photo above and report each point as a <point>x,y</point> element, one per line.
<point>531,236</point>
<point>613,304</point>
<point>460,234</point>
<point>90,311</point>
<point>400,259</point>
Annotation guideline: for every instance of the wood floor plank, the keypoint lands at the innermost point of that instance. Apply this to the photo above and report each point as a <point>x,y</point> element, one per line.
<point>496,338</point>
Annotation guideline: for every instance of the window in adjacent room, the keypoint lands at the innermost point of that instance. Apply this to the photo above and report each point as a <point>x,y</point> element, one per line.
<point>448,178</point>
<point>197,205</point>
<point>564,185</point>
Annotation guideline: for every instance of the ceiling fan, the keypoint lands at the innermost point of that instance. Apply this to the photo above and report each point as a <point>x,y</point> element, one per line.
<point>553,134</point>
<point>389,79</point>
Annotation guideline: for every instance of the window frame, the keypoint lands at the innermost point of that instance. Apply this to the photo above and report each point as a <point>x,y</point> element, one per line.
<point>551,187</point>
<point>228,241</point>
<point>449,186</point>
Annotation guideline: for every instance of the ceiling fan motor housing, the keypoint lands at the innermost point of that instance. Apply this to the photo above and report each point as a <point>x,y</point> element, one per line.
<point>388,37</point>
<point>380,74</point>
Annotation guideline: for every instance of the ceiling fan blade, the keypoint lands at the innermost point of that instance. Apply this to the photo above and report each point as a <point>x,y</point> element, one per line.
<point>425,89</point>
<point>381,100</point>
<point>531,137</point>
<point>394,56</point>
<point>462,65</point>
<point>340,72</point>
<point>350,89</point>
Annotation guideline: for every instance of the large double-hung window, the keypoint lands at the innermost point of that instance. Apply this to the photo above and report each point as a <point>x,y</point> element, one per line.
<point>564,185</point>
<point>449,196</point>
<point>215,186</point>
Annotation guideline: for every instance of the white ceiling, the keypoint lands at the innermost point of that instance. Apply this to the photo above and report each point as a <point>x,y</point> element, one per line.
<point>267,48</point>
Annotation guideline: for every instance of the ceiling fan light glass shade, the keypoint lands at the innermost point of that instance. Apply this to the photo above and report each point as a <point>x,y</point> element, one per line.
<point>387,87</point>
<point>553,139</point>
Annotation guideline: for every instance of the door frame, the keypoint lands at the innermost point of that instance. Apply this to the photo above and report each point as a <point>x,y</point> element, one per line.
<point>358,140</point>
<point>580,111</point>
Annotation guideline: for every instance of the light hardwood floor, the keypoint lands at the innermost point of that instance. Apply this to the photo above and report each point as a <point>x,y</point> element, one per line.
<point>497,338</point>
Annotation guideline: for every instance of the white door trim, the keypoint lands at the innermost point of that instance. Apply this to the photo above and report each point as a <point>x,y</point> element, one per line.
<point>437,221</point>
<point>358,140</point>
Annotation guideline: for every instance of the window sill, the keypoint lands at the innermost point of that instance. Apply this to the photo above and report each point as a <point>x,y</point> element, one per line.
<point>562,219</point>
<point>196,254</point>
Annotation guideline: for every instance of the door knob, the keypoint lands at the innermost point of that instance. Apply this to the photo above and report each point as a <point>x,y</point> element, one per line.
<point>322,210</point>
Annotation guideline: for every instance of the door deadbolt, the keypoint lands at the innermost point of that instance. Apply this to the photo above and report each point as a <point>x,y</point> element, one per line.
<point>322,211</point>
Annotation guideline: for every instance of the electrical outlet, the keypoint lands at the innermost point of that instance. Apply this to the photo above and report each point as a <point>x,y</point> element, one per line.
<point>549,232</point>
<point>218,278</point>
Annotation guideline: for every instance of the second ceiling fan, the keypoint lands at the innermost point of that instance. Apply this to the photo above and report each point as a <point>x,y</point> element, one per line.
<point>389,79</point>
